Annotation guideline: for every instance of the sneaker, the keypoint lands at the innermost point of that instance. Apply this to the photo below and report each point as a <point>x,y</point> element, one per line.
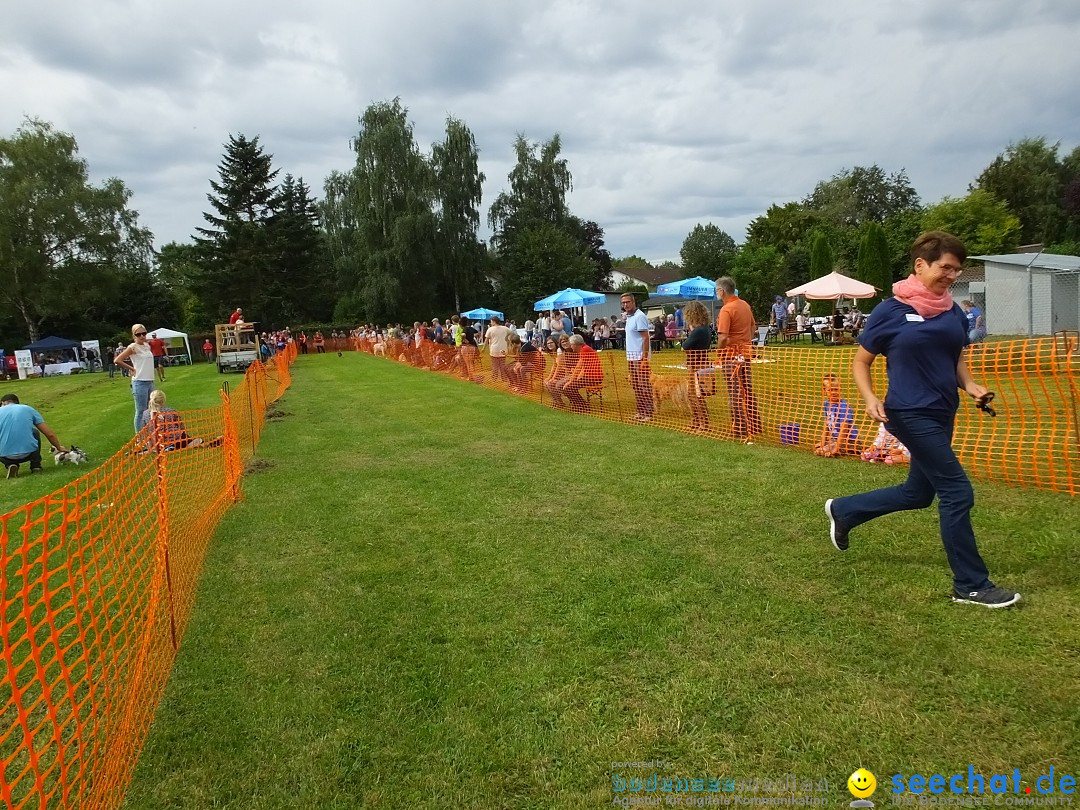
<point>12,471</point>
<point>838,533</point>
<point>36,470</point>
<point>992,597</point>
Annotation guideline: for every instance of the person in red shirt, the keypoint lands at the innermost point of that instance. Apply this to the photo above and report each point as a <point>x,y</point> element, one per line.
<point>734,330</point>
<point>208,350</point>
<point>237,316</point>
<point>586,374</point>
<point>157,348</point>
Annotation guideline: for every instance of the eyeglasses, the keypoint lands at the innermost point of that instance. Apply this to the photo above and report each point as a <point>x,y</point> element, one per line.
<point>951,270</point>
<point>140,334</point>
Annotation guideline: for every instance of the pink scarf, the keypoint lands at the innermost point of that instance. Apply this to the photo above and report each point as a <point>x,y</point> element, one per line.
<point>928,304</point>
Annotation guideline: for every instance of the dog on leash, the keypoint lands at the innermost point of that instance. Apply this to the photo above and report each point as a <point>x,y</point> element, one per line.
<point>671,388</point>
<point>73,455</point>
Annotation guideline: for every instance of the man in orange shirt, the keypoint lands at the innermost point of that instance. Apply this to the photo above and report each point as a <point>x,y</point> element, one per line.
<point>157,349</point>
<point>587,373</point>
<point>734,329</point>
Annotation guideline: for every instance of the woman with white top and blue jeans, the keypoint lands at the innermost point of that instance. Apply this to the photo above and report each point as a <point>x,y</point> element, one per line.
<point>139,360</point>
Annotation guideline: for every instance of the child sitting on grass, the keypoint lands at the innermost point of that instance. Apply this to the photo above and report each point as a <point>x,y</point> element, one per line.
<point>839,433</point>
<point>887,449</point>
<point>169,427</point>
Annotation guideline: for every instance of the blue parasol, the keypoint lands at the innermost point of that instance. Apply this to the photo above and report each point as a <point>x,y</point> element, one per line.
<point>570,297</point>
<point>482,314</point>
<point>696,287</point>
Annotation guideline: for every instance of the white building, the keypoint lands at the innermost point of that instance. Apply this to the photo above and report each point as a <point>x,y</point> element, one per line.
<point>1027,293</point>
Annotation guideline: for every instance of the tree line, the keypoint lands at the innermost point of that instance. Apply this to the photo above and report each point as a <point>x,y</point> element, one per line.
<point>396,236</point>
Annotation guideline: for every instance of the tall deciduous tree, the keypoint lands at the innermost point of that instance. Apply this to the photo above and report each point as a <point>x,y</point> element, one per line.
<point>541,259</point>
<point>759,273</point>
<point>539,183</point>
<point>182,269</point>
<point>343,249</point>
<point>532,223</point>
<point>631,261</point>
<point>458,192</point>
<point>864,194</point>
<point>391,196</point>
<point>63,242</point>
<point>238,251</point>
<point>980,220</point>
<point>707,251</point>
<point>1029,179</point>
<point>591,235</point>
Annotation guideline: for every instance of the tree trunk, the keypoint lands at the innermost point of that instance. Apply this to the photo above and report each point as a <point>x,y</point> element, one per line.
<point>31,324</point>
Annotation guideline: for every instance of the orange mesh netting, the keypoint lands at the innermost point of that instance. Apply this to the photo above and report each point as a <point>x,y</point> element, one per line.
<point>777,396</point>
<point>98,581</point>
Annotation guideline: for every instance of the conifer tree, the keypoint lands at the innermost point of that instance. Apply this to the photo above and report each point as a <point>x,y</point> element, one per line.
<point>237,250</point>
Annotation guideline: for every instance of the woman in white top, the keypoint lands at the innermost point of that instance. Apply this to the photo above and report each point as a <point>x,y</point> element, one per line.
<point>139,360</point>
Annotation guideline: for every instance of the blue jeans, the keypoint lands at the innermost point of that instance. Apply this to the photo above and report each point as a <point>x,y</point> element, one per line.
<point>140,389</point>
<point>934,470</point>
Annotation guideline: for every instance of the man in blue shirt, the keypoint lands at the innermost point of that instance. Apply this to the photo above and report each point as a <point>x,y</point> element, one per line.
<point>976,322</point>
<point>19,441</point>
<point>779,313</point>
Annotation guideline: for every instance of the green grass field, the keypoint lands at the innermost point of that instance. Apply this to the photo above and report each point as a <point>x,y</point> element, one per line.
<point>96,413</point>
<point>435,595</point>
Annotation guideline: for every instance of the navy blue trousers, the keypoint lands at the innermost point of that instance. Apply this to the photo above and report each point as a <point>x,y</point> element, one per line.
<point>935,470</point>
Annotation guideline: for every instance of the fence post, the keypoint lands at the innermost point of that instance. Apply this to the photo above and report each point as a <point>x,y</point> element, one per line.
<point>162,495</point>
<point>230,446</point>
<point>251,407</point>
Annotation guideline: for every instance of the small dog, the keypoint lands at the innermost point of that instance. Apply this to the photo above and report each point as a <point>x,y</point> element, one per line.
<point>673,388</point>
<point>72,456</point>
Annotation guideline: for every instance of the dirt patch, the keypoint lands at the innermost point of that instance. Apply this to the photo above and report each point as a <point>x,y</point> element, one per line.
<point>274,413</point>
<point>257,465</point>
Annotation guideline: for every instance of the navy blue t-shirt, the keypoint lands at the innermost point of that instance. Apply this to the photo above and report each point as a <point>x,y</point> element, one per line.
<point>921,354</point>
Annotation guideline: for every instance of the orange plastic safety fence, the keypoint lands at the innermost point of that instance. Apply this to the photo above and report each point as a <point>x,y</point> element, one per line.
<point>800,397</point>
<point>98,582</point>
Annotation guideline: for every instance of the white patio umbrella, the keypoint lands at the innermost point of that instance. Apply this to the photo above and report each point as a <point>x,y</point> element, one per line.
<point>833,287</point>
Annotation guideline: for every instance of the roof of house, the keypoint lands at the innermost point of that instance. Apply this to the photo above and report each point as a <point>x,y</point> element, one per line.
<point>653,276</point>
<point>1045,261</point>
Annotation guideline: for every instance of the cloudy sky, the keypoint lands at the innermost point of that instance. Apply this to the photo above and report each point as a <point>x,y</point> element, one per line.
<point>671,113</point>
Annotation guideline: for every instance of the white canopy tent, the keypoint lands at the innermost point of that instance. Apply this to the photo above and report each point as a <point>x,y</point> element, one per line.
<point>172,339</point>
<point>834,287</point>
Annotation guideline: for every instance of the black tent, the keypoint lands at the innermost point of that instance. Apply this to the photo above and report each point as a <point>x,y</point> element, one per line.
<point>52,344</point>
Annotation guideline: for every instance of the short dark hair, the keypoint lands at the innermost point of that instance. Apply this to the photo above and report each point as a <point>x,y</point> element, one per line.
<point>12,398</point>
<point>932,245</point>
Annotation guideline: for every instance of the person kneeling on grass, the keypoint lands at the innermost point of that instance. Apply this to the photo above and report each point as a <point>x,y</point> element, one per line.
<point>19,440</point>
<point>839,432</point>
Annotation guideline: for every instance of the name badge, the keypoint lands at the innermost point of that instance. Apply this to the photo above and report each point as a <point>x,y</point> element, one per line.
<point>911,316</point>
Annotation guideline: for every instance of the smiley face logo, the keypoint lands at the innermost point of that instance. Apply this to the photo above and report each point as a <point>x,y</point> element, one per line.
<point>862,784</point>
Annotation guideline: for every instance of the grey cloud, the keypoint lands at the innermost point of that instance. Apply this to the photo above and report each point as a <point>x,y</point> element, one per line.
<point>670,114</point>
